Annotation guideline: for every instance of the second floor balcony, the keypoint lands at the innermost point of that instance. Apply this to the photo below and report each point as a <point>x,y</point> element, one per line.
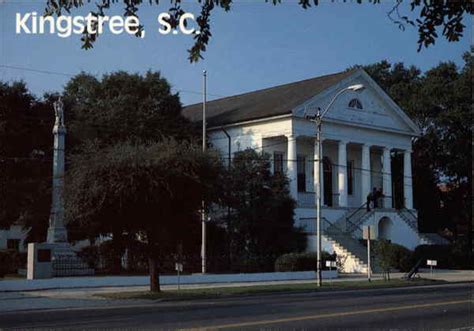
<point>308,200</point>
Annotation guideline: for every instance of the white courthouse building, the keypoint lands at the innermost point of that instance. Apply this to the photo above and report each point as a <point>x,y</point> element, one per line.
<point>361,134</point>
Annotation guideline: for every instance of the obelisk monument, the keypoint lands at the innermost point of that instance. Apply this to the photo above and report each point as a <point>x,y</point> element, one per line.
<point>57,233</point>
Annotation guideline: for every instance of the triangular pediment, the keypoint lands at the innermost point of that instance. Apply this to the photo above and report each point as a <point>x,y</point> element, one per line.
<point>377,109</point>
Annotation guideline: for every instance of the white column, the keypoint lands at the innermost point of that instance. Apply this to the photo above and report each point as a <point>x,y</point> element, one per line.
<point>342,173</point>
<point>291,166</point>
<point>365,173</point>
<point>407,180</point>
<point>387,178</point>
<point>318,176</point>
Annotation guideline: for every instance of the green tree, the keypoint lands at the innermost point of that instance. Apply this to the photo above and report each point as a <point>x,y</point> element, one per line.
<point>25,159</point>
<point>439,101</point>
<point>118,108</point>
<point>122,106</point>
<point>153,191</point>
<point>429,17</point>
<point>260,225</point>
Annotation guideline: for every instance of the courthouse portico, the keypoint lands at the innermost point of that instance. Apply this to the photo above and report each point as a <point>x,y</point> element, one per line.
<point>361,164</point>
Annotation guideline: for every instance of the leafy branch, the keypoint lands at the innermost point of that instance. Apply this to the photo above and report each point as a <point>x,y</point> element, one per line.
<point>433,15</point>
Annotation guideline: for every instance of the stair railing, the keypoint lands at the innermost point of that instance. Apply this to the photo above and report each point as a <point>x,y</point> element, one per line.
<point>406,210</point>
<point>411,222</point>
<point>350,225</point>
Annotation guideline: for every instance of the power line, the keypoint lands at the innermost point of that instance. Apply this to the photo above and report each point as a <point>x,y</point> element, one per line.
<point>36,70</point>
<point>224,159</point>
<point>49,72</point>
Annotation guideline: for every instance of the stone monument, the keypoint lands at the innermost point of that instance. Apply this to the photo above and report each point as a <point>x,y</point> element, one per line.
<point>65,261</point>
<point>57,232</point>
<point>56,257</point>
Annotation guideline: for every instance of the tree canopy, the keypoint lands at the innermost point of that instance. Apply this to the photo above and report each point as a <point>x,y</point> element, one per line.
<point>429,17</point>
<point>439,101</point>
<point>122,106</point>
<point>25,158</point>
<point>153,191</point>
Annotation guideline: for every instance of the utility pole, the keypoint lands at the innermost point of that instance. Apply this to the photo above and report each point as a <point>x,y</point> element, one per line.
<point>203,212</point>
<point>368,254</point>
<point>318,198</point>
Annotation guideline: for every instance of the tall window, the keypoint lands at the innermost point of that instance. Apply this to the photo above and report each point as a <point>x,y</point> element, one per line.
<point>355,103</point>
<point>350,177</point>
<point>277,162</point>
<point>301,168</point>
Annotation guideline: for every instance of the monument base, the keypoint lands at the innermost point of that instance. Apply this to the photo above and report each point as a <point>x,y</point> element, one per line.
<point>57,234</point>
<point>66,262</point>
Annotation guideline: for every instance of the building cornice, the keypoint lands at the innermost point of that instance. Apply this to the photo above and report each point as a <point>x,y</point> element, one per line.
<point>259,120</point>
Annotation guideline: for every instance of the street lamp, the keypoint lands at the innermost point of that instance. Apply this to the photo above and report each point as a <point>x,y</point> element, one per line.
<point>318,120</point>
<point>203,212</point>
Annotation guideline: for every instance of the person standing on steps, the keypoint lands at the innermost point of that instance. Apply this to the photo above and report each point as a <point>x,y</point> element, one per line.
<point>374,197</point>
<point>369,201</point>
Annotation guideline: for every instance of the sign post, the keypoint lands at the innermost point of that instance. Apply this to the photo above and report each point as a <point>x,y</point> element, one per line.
<point>369,233</point>
<point>330,264</point>
<point>432,263</point>
<point>368,254</point>
<point>179,269</point>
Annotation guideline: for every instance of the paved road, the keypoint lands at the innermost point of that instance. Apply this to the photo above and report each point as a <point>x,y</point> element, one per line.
<point>434,307</point>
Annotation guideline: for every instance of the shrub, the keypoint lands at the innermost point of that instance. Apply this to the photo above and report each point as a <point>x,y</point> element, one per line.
<point>302,261</point>
<point>11,261</point>
<point>402,258</point>
<point>393,256</point>
<point>453,256</point>
<point>385,255</point>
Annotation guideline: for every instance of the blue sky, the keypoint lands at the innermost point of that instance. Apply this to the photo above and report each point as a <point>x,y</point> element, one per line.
<point>254,46</point>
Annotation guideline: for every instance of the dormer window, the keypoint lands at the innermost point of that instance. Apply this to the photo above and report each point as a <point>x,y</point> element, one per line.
<point>355,103</point>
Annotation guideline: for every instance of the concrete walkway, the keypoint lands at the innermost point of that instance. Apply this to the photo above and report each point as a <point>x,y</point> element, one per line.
<point>74,297</point>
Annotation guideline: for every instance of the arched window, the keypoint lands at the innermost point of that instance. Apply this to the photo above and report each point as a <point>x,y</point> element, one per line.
<point>355,103</point>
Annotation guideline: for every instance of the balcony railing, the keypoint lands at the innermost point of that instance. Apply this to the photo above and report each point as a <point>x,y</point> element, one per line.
<point>307,200</point>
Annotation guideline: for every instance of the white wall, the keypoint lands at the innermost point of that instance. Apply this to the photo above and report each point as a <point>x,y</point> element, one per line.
<point>15,232</point>
<point>399,232</point>
<point>249,135</point>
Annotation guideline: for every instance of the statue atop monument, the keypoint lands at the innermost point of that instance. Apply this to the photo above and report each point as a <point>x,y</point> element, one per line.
<point>59,112</point>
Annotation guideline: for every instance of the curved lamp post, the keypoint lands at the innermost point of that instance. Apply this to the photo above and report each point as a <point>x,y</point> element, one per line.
<point>318,119</point>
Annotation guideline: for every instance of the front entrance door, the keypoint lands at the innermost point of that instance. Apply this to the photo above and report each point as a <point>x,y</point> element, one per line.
<point>327,180</point>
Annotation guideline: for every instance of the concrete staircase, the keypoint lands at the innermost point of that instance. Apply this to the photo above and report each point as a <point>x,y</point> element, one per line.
<point>345,231</point>
<point>350,247</point>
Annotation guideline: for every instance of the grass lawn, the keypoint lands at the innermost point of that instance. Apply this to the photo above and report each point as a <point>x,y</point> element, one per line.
<point>209,293</point>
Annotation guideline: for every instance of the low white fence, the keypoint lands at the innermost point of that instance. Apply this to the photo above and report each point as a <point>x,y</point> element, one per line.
<point>119,281</point>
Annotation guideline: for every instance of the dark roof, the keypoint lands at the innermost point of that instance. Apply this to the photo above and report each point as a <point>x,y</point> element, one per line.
<point>273,101</point>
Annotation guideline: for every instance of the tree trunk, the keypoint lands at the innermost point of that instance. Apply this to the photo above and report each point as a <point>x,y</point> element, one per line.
<point>154,274</point>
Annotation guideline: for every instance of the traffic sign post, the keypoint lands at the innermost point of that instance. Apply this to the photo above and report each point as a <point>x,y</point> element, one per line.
<point>331,264</point>
<point>369,233</point>
<point>179,268</point>
<point>431,263</point>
